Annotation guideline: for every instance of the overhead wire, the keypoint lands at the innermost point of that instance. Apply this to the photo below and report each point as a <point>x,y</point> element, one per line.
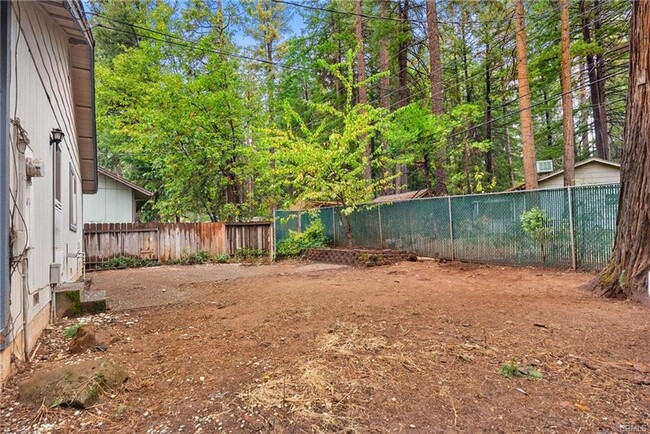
<point>192,45</point>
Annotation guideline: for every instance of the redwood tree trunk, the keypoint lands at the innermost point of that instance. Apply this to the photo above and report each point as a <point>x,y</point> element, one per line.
<point>626,275</point>
<point>527,141</point>
<point>596,91</point>
<point>403,97</point>
<point>567,99</point>
<point>435,79</point>
<point>489,166</point>
<point>384,84</point>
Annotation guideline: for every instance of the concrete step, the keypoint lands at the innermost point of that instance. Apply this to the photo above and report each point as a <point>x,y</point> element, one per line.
<point>75,298</point>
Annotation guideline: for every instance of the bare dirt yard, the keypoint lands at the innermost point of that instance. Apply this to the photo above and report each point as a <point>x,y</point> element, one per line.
<point>413,347</point>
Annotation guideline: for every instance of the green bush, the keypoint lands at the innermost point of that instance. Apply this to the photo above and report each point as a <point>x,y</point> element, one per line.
<point>194,258</point>
<point>250,254</point>
<point>122,262</point>
<point>298,242</point>
<point>539,227</point>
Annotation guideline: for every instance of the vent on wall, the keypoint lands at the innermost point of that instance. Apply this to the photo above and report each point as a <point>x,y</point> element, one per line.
<point>544,166</point>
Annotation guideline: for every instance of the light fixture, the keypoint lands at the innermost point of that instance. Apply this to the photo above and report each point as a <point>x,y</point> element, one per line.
<point>56,136</point>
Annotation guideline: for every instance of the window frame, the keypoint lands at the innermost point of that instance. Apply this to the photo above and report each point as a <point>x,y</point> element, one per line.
<point>73,208</point>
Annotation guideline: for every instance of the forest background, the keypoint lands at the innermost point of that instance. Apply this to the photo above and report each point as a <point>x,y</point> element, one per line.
<point>226,112</point>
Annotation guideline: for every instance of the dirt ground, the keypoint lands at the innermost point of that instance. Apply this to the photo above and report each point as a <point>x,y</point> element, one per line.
<point>413,347</point>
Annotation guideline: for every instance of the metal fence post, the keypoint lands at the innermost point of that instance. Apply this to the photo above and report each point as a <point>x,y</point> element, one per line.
<point>381,234</point>
<point>451,230</point>
<point>273,232</point>
<point>333,226</point>
<point>572,231</point>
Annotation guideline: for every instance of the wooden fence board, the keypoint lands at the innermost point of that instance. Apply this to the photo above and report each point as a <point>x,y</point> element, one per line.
<point>171,241</point>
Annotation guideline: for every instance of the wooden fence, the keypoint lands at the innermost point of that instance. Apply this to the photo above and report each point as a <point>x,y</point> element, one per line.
<point>165,242</point>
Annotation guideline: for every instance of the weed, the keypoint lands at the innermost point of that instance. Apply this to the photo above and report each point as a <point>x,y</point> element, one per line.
<point>512,369</point>
<point>71,332</point>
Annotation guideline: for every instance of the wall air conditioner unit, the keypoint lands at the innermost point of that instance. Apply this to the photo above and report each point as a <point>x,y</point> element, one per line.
<point>544,166</point>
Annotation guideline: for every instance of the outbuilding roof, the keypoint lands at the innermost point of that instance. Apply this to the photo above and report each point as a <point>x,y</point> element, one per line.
<point>123,181</point>
<point>593,160</point>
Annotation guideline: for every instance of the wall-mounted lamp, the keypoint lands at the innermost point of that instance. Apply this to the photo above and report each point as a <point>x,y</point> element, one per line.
<point>56,136</point>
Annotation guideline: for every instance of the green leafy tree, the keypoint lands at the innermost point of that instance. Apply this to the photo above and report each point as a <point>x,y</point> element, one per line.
<point>537,224</point>
<point>319,166</point>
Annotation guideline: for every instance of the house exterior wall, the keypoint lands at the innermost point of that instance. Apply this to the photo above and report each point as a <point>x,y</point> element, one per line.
<point>43,228</point>
<point>114,202</point>
<point>593,173</point>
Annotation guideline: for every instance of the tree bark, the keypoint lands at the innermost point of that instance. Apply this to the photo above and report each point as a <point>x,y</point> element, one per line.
<point>508,152</point>
<point>362,97</point>
<point>600,78</point>
<point>528,143</point>
<point>435,79</point>
<point>384,83</point>
<point>596,92</point>
<point>567,99</point>
<point>626,275</point>
<point>403,96</point>
<point>220,28</point>
<point>489,167</point>
<point>583,119</point>
<point>547,120</point>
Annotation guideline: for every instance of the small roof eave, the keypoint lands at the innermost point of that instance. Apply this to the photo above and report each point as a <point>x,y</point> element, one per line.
<point>69,15</point>
<point>114,176</point>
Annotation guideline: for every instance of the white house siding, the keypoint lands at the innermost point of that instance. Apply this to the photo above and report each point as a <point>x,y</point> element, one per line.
<point>41,98</point>
<point>592,173</point>
<point>113,203</point>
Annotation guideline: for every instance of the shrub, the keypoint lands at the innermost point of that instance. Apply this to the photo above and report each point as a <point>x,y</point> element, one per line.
<point>122,262</point>
<point>194,258</point>
<point>538,226</point>
<point>298,242</point>
<point>250,254</point>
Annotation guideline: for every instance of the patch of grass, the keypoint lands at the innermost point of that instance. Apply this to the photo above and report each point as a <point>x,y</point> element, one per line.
<point>349,339</point>
<point>512,370</point>
<point>71,332</point>
<point>320,390</point>
<point>310,392</point>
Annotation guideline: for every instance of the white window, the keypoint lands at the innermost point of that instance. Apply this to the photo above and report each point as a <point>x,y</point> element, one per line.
<point>73,197</point>
<point>57,176</point>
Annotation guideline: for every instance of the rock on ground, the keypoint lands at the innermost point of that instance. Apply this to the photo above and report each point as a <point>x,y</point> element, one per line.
<point>76,385</point>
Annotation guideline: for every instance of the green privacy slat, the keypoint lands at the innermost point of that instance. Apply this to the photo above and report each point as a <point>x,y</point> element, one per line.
<point>485,227</point>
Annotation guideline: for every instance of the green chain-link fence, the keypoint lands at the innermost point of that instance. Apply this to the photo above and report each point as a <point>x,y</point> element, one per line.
<point>581,223</point>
